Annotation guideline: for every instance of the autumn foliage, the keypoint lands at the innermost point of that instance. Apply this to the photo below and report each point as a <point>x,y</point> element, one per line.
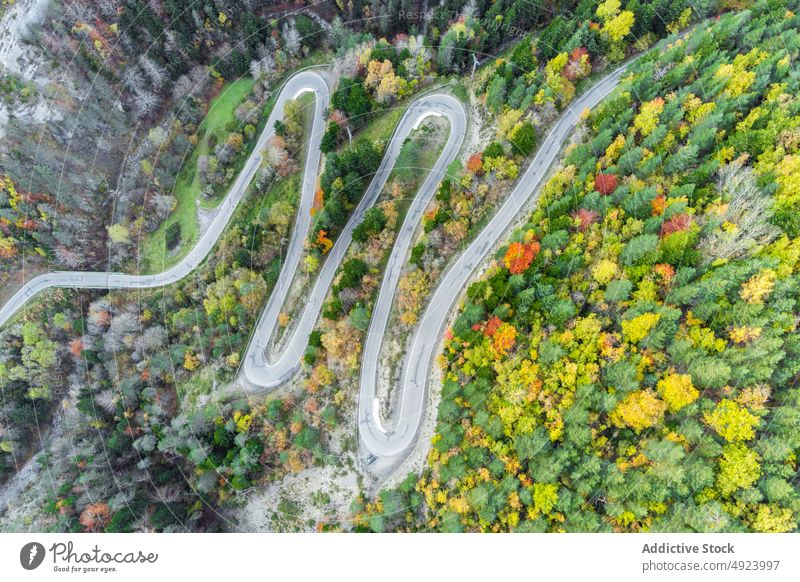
<point>579,64</point>
<point>323,242</point>
<point>492,326</point>
<point>659,349</point>
<point>659,203</point>
<point>95,517</point>
<point>319,200</point>
<point>519,256</point>
<point>503,339</point>
<point>76,347</point>
<point>605,183</point>
<point>677,223</point>
<point>475,163</point>
<point>665,271</point>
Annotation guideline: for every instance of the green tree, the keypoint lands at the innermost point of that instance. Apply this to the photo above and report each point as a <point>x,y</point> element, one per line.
<point>496,94</point>
<point>374,222</point>
<point>524,139</point>
<point>330,139</point>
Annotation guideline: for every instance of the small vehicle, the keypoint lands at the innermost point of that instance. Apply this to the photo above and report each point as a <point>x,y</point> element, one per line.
<point>371,459</point>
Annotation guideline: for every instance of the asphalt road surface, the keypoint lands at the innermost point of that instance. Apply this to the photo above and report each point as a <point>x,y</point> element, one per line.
<point>302,82</point>
<point>258,372</point>
<point>391,445</point>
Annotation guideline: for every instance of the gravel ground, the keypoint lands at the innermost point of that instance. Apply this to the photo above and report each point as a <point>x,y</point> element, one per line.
<point>301,501</point>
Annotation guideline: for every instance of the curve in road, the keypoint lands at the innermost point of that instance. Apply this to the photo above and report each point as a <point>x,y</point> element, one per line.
<point>261,373</point>
<point>298,84</point>
<point>265,374</point>
<point>375,439</point>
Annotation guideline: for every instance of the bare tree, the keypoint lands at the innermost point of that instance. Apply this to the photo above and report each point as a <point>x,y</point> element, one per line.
<point>145,104</point>
<point>182,88</point>
<point>157,6</point>
<point>79,12</point>
<point>267,70</point>
<point>153,339</point>
<point>67,257</point>
<point>255,69</point>
<point>192,83</point>
<point>291,39</point>
<point>266,48</point>
<point>106,401</point>
<point>108,8</point>
<point>267,64</point>
<point>748,210</point>
<point>247,112</point>
<point>154,72</point>
<point>120,332</point>
<point>346,65</point>
<point>133,79</point>
<point>163,204</point>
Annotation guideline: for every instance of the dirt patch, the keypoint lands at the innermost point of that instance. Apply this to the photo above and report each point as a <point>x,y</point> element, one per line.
<point>205,217</point>
<point>304,501</point>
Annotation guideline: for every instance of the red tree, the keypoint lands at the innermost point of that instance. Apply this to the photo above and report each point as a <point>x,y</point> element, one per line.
<point>475,163</point>
<point>677,223</point>
<point>585,218</point>
<point>519,256</point>
<point>605,183</point>
<point>492,325</point>
<point>95,517</point>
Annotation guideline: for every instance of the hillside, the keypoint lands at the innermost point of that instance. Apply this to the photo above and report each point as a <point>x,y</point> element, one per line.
<point>629,360</point>
<point>625,360</point>
<point>100,106</point>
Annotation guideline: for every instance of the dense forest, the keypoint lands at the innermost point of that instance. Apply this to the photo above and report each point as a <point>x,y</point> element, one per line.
<point>629,360</point>
<point>155,67</point>
<point>116,150</point>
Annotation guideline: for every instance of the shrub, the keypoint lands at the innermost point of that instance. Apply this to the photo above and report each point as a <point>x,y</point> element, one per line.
<point>374,222</point>
<point>172,236</point>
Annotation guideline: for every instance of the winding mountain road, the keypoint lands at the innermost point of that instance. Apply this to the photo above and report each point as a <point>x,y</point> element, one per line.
<point>306,81</point>
<point>258,372</point>
<point>392,444</point>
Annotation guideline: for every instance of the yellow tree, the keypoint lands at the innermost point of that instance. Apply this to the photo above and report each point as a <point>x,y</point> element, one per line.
<point>342,344</point>
<point>608,10</point>
<point>556,80</point>
<point>503,340</point>
<point>636,329</point>
<point>620,26</point>
<point>772,519</point>
<point>758,287</point>
<point>732,421</point>
<point>639,410</point>
<point>647,118</point>
<point>677,391</point>
<point>383,80</point>
<point>739,467</point>
<point>413,288</point>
